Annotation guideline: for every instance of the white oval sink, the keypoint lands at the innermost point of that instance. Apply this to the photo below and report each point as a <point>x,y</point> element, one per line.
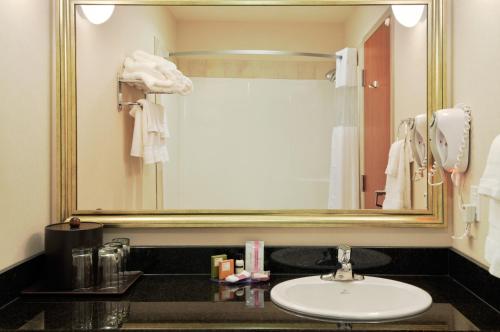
<point>371,299</point>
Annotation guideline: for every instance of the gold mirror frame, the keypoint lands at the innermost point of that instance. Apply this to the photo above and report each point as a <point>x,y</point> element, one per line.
<point>66,137</point>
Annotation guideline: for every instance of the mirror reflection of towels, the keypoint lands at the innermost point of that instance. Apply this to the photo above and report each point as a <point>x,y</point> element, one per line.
<point>398,182</point>
<point>150,132</point>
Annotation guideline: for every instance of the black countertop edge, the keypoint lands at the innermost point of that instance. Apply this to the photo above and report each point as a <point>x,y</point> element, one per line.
<point>475,278</point>
<point>17,278</point>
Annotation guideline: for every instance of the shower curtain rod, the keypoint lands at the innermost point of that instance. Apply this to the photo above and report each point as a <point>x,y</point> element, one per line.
<point>256,52</point>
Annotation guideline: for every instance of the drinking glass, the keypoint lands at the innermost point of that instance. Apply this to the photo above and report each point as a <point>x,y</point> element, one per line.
<point>83,268</point>
<point>109,267</point>
<point>126,250</point>
<point>121,257</point>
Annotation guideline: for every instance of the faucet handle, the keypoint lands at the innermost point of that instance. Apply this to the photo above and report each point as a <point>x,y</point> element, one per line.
<point>344,254</point>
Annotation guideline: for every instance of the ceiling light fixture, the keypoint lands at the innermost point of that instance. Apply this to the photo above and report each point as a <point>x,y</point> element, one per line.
<point>408,15</point>
<point>97,14</point>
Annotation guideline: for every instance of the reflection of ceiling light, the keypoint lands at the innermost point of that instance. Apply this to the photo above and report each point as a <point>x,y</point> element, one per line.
<point>97,14</point>
<point>408,15</point>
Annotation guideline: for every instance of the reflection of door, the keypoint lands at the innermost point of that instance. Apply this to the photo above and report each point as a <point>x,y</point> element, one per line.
<point>377,112</point>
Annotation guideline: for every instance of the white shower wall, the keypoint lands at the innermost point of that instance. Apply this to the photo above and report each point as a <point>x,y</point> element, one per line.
<point>249,144</point>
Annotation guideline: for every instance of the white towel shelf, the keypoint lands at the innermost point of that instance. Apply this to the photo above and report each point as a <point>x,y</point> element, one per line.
<point>137,84</point>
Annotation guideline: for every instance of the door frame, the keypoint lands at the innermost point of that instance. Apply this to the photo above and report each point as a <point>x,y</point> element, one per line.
<point>361,100</point>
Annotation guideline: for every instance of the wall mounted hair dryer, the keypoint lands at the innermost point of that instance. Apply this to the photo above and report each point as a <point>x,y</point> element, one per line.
<point>449,136</point>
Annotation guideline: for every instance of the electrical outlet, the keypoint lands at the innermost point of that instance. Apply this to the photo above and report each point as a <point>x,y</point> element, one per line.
<point>474,200</point>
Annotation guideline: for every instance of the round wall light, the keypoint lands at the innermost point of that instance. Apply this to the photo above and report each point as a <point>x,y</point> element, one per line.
<point>97,14</point>
<point>408,15</point>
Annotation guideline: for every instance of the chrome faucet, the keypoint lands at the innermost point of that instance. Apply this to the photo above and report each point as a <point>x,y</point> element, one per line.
<point>344,273</point>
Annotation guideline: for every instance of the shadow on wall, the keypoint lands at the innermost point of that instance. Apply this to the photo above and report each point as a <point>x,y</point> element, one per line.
<point>34,244</point>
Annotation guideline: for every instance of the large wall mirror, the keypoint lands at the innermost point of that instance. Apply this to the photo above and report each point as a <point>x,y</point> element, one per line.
<point>272,114</point>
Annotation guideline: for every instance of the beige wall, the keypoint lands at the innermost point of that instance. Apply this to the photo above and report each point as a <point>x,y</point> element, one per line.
<point>362,20</point>
<point>25,64</point>
<point>108,177</point>
<point>289,36</point>
<point>474,70</point>
<point>356,236</point>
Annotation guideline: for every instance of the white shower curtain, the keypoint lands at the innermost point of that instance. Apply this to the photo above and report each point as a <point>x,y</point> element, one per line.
<point>344,155</point>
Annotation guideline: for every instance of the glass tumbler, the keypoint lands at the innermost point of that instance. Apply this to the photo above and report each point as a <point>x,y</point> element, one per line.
<point>109,267</point>
<point>83,268</point>
<point>126,251</point>
<point>121,257</point>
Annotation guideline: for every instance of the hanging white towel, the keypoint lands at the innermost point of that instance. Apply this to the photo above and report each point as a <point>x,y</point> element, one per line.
<point>149,137</point>
<point>393,160</point>
<point>398,182</point>
<point>489,186</point>
<point>345,68</point>
<point>137,149</point>
<point>344,167</point>
<point>156,121</point>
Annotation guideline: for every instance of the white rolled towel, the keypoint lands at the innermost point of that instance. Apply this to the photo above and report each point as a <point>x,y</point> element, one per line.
<point>157,73</point>
<point>489,186</point>
<point>146,72</point>
<point>142,56</point>
<point>132,66</point>
<point>492,244</point>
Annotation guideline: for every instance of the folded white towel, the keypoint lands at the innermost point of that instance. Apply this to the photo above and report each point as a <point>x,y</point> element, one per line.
<point>149,144</point>
<point>145,67</point>
<point>492,244</point>
<point>148,80</point>
<point>145,72</point>
<point>142,56</point>
<point>490,181</point>
<point>182,88</point>
<point>398,187</point>
<point>489,185</point>
<point>157,73</point>
<point>345,69</point>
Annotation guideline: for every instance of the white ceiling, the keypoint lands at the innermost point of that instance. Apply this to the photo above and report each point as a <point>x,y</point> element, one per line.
<point>318,14</point>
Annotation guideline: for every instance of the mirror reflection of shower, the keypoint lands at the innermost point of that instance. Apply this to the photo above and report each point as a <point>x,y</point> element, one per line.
<point>330,75</point>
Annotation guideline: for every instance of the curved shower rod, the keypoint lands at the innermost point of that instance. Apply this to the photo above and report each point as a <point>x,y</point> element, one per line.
<point>256,52</point>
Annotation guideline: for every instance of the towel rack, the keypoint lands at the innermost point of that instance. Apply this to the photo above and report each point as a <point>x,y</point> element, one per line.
<point>255,52</point>
<point>138,84</point>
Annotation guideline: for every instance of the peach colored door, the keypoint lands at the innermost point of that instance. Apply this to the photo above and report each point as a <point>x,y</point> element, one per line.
<point>377,113</point>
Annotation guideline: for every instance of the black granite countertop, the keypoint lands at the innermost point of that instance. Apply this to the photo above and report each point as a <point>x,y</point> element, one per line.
<point>179,302</point>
